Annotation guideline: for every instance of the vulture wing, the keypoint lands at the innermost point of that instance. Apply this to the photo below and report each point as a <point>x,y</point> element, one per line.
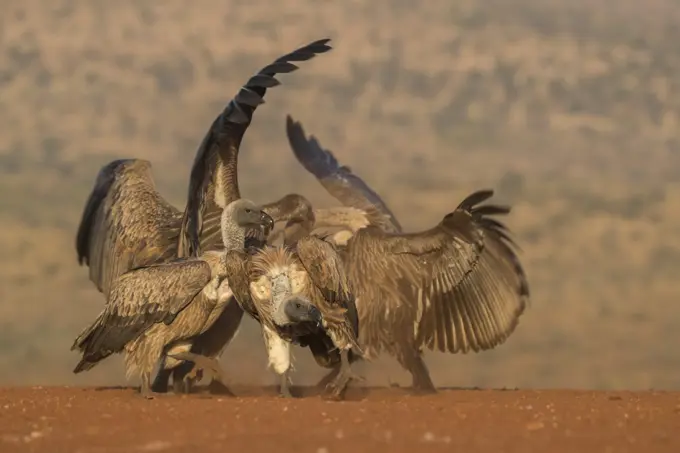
<point>213,182</point>
<point>238,275</point>
<point>326,270</point>
<point>125,223</point>
<point>463,280</point>
<point>138,300</point>
<point>338,180</point>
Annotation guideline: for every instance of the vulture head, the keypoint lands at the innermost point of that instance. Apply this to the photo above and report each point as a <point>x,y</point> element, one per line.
<point>297,310</point>
<point>280,291</point>
<point>241,216</point>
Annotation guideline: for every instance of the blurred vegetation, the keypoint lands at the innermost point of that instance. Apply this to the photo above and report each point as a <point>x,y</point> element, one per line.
<point>569,109</point>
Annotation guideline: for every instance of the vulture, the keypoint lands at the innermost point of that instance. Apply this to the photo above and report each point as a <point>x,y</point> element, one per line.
<point>154,311</point>
<point>299,294</point>
<point>126,224</point>
<point>457,287</point>
<point>203,207</point>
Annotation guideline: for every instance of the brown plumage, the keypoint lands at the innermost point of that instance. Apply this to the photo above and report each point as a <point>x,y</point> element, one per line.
<point>298,294</point>
<point>296,218</point>
<point>200,223</point>
<point>155,311</point>
<point>126,223</point>
<point>362,206</point>
<point>458,287</point>
<point>208,195</point>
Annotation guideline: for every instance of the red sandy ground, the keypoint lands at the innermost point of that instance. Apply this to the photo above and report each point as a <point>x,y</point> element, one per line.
<point>80,420</point>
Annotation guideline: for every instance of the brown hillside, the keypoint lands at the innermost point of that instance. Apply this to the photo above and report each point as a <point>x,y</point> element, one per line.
<point>569,108</point>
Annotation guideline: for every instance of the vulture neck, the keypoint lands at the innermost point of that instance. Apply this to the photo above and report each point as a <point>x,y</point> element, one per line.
<point>233,235</point>
<point>281,290</point>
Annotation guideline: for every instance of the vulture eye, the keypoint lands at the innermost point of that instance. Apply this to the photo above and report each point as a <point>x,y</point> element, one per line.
<point>298,306</point>
<point>248,210</point>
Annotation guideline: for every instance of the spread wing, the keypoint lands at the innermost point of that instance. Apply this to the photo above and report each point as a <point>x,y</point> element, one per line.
<point>213,182</point>
<point>338,180</point>
<point>462,280</point>
<point>326,270</point>
<point>138,300</point>
<point>125,223</point>
<point>237,264</point>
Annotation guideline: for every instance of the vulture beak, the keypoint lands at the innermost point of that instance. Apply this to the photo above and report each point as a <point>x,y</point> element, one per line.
<point>301,310</point>
<point>266,222</point>
<point>315,314</point>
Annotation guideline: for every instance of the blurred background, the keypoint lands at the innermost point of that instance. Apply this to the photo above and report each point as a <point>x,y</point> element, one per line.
<point>568,108</point>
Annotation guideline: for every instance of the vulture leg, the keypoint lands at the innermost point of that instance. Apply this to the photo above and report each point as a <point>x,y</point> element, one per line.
<point>327,379</point>
<point>284,389</point>
<point>145,390</point>
<point>412,360</point>
<point>278,352</point>
<point>337,387</point>
<point>160,383</point>
<point>184,376</point>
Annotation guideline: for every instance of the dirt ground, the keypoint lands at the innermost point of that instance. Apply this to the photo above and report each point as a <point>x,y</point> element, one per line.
<point>63,419</point>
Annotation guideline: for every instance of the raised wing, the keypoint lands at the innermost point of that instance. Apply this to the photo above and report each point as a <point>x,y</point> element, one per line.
<point>338,180</point>
<point>213,181</point>
<point>125,223</point>
<point>463,279</point>
<point>138,300</point>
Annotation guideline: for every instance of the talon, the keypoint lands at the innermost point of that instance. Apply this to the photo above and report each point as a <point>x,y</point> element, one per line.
<point>336,388</point>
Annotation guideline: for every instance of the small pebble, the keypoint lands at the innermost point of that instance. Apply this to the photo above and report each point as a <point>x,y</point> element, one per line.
<point>428,437</point>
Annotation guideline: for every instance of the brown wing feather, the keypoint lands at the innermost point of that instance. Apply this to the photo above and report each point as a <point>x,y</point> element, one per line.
<point>138,300</point>
<point>213,182</point>
<point>326,270</point>
<point>339,181</point>
<point>462,280</point>
<point>125,223</point>
<point>237,265</point>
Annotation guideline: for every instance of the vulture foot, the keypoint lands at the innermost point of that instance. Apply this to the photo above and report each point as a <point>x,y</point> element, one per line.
<point>145,390</point>
<point>202,365</point>
<point>327,379</point>
<point>420,388</point>
<point>422,383</point>
<point>335,390</point>
<point>284,388</point>
<point>180,381</point>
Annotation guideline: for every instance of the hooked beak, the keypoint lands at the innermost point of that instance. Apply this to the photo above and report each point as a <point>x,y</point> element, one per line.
<point>266,222</point>
<point>315,314</point>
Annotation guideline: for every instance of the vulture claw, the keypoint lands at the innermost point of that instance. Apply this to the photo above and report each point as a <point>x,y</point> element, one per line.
<point>203,365</point>
<point>335,389</point>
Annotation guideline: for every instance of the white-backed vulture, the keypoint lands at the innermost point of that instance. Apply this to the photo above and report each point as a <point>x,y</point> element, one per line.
<point>456,288</point>
<point>127,224</point>
<point>299,294</point>
<point>155,311</point>
<point>204,203</point>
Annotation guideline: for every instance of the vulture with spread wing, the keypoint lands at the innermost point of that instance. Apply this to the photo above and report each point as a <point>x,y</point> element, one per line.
<point>200,224</point>
<point>127,224</point>
<point>457,287</point>
<point>154,312</point>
